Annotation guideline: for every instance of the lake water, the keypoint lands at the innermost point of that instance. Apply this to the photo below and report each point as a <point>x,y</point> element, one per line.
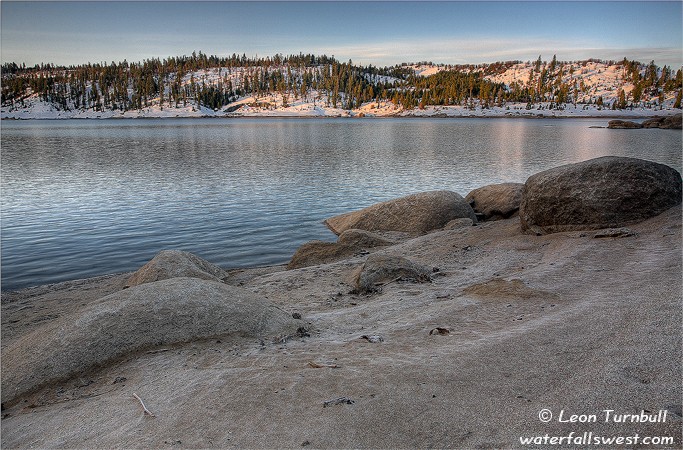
<point>89,197</point>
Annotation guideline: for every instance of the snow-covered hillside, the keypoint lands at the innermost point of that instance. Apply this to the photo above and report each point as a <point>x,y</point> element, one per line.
<point>559,89</point>
<point>591,79</point>
<point>271,106</point>
<point>598,79</point>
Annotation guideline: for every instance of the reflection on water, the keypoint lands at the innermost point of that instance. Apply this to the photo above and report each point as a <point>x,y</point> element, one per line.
<point>81,198</point>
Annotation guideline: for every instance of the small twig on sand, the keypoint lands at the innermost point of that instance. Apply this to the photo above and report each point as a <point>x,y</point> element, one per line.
<point>315,365</point>
<point>146,411</point>
<point>338,401</point>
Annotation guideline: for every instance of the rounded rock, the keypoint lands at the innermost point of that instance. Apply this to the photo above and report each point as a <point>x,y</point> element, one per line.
<point>607,192</point>
<point>416,213</point>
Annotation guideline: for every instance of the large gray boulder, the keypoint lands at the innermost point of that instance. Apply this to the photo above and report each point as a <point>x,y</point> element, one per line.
<point>417,213</point>
<point>607,192</point>
<point>496,201</point>
<point>176,263</point>
<point>160,313</point>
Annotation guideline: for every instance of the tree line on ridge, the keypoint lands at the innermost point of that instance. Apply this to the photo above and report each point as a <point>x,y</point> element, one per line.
<point>216,82</point>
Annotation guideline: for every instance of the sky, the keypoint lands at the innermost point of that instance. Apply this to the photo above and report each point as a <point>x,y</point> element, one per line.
<point>380,33</point>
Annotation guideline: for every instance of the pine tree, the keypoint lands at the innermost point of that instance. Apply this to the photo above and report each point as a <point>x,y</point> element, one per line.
<point>637,92</point>
<point>161,93</point>
<point>621,103</point>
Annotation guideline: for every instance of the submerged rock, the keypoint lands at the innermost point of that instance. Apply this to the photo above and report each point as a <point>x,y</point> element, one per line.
<point>607,192</point>
<point>496,201</point>
<point>417,213</point>
<point>176,263</point>
<point>160,313</point>
<point>382,269</point>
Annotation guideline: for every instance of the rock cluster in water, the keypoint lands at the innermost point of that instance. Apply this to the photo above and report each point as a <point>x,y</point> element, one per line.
<point>669,122</point>
<point>599,193</point>
<point>607,192</point>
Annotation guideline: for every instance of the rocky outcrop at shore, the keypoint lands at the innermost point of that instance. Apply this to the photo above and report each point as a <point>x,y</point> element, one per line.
<point>669,122</point>
<point>411,215</point>
<point>159,313</point>
<point>176,263</point>
<point>605,192</point>
<point>618,124</point>
<point>417,213</point>
<point>496,201</point>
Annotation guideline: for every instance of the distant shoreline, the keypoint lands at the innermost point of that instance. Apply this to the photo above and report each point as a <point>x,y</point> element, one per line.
<point>545,110</point>
<point>309,117</point>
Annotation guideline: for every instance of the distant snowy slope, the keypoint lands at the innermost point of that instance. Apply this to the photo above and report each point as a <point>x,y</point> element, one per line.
<point>320,86</point>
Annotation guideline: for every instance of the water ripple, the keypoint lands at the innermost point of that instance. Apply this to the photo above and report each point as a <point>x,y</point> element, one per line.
<point>84,198</point>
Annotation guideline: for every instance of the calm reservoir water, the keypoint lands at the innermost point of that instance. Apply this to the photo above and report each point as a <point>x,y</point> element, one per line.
<point>88,197</point>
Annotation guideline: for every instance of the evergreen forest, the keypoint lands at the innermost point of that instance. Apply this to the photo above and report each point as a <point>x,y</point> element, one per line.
<point>216,82</point>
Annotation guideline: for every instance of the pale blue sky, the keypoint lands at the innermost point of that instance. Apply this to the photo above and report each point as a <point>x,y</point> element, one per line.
<point>378,33</point>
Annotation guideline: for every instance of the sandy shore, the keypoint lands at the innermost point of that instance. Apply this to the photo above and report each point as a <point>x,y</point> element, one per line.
<point>566,322</point>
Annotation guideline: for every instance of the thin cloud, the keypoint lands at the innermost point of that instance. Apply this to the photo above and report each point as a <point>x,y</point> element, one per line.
<point>476,50</point>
